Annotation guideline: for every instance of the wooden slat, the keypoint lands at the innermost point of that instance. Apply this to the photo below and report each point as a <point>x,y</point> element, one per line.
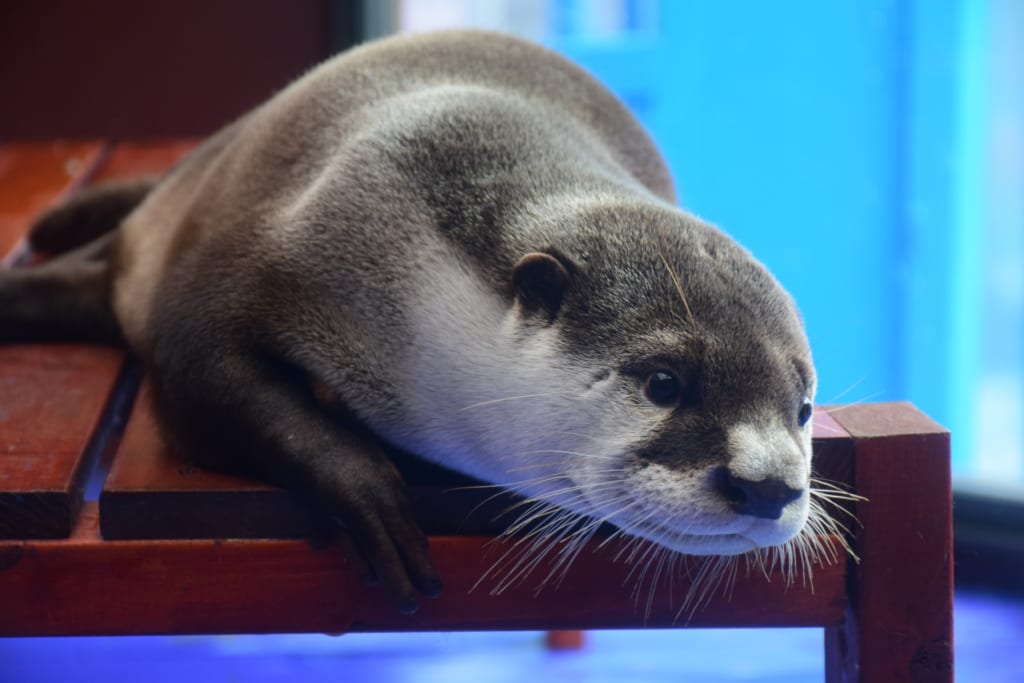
<point>900,625</point>
<point>152,492</point>
<point>34,175</point>
<point>134,159</point>
<point>85,585</point>
<point>48,402</point>
<point>833,463</point>
<point>833,450</point>
<point>54,397</point>
<point>52,402</point>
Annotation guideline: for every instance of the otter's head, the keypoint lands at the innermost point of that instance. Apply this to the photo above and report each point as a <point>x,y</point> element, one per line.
<point>682,412</point>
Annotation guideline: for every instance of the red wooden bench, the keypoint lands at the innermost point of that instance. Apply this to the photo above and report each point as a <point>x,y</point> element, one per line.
<point>168,549</point>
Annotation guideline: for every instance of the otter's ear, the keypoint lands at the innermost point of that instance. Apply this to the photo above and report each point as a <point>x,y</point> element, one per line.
<point>540,280</point>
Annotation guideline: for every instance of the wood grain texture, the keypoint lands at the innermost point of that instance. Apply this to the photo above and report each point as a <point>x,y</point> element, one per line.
<point>34,175</point>
<point>51,396</point>
<point>54,397</point>
<point>52,403</point>
<point>152,492</point>
<point>135,159</point>
<point>833,451</point>
<point>900,625</point>
<point>85,585</point>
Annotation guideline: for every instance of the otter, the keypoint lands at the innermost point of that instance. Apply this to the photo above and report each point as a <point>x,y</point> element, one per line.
<point>461,245</point>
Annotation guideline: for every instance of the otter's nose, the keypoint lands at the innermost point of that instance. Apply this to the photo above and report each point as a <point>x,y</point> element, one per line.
<point>765,498</point>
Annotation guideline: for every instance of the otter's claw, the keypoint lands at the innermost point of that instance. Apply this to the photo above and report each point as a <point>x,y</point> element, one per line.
<point>387,546</point>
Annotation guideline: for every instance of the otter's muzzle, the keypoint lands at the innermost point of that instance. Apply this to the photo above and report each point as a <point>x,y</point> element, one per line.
<point>766,498</point>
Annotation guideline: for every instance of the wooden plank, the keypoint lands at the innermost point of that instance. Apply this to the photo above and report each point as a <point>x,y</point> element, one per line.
<point>900,623</point>
<point>41,439</point>
<point>135,159</point>
<point>129,160</point>
<point>53,409</point>
<point>152,492</point>
<point>86,585</point>
<point>833,465</point>
<point>34,175</point>
<point>833,449</point>
<point>51,406</point>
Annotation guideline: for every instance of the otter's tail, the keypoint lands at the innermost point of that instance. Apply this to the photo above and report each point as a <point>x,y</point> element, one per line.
<point>68,296</point>
<point>87,215</point>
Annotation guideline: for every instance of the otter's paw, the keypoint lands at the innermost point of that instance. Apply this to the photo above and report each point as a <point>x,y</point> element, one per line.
<point>386,543</point>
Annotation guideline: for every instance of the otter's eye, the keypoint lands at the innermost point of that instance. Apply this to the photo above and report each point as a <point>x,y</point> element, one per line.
<point>806,410</point>
<point>663,388</point>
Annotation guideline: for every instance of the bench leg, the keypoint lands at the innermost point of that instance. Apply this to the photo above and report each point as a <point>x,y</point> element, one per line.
<point>565,640</point>
<point>899,625</point>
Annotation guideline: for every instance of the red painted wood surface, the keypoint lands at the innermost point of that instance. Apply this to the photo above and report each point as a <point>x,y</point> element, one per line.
<point>565,640</point>
<point>52,402</point>
<point>152,492</point>
<point>833,452</point>
<point>135,159</point>
<point>54,397</point>
<point>34,175</point>
<point>85,585</point>
<point>51,396</point>
<point>900,624</point>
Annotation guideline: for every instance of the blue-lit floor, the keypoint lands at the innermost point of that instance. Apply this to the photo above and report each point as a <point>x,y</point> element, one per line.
<point>989,633</point>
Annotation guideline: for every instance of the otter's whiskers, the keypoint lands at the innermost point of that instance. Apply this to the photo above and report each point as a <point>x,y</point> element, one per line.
<point>548,537</point>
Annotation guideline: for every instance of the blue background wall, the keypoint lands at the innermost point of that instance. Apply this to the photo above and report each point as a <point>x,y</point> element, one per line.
<point>832,139</point>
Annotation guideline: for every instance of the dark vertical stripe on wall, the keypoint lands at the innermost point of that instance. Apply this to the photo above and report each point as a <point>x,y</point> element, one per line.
<point>345,18</point>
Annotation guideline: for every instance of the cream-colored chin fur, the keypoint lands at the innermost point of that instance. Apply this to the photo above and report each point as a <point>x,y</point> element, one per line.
<point>751,533</point>
<point>682,511</point>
